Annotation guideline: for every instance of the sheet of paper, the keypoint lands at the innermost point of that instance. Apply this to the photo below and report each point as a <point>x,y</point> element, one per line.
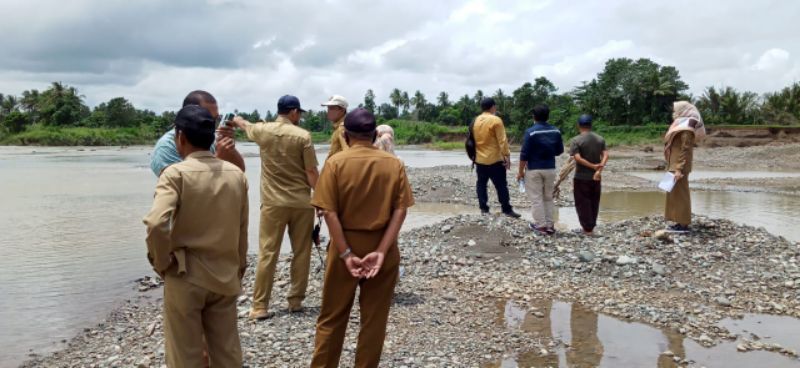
<point>667,182</point>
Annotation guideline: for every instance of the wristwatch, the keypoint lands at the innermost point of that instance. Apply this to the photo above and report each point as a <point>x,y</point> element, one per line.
<point>346,253</point>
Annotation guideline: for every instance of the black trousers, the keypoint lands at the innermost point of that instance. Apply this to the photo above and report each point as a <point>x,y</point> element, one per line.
<point>587,202</point>
<point>497,174</point>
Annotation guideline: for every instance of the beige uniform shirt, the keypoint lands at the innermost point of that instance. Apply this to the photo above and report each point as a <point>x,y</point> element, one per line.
<point>286,153</point>
<point>338,142</point>
<point>197,226</point>
<point>682,152</point>
<point>363,185</point>
<point>491,143</point>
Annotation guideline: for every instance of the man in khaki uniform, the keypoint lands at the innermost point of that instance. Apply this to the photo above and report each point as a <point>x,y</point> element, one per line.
<point>337,109</point>
<point>364,193</point>
<point>288,173</point>
<point>197,242</point>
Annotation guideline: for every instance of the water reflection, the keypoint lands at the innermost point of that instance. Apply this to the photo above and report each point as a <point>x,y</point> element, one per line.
<point>597,340</point>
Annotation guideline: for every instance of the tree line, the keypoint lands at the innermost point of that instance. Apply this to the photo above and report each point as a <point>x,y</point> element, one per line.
<point>626,92</point>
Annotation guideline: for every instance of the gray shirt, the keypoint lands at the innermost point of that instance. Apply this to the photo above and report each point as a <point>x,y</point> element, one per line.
<point>590,146</point>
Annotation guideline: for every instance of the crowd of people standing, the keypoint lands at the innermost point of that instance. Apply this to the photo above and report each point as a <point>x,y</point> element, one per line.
<point>197,226</point>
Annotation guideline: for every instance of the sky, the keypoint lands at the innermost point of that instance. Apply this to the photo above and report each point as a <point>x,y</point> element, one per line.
<point>248,53</point>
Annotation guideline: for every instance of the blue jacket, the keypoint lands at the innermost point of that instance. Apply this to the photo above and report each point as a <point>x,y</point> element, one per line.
<point>540,146</point>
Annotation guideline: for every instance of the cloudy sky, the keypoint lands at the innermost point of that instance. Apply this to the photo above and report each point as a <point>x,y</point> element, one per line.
<point>250,52</point>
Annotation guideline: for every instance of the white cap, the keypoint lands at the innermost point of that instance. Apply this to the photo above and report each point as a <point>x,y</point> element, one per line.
<point>336,100</point>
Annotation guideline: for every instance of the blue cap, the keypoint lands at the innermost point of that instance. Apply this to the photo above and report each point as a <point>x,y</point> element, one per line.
<point>289,102</point>
<point>585,120</point>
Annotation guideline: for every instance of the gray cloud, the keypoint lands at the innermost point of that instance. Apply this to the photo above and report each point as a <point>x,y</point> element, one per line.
<point>249,52</point>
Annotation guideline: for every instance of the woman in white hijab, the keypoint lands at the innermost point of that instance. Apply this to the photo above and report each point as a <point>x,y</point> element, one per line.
<point>686,130</point>
<point>385,139</point>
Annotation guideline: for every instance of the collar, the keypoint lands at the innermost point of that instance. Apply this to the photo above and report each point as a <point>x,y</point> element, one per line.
<point>199,154</point>
<point>283,120</point>
<point>362,144</point>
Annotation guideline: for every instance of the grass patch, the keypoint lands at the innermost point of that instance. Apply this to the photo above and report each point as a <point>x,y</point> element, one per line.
<point>39,135</point>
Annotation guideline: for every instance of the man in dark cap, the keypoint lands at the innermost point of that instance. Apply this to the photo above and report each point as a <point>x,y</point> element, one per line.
<point>590,154</point>
<point>201,257</point>
<point>288,173</point>
<point>364,193</point>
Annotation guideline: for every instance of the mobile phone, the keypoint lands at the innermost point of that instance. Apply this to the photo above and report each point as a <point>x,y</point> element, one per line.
<point>228,117</point>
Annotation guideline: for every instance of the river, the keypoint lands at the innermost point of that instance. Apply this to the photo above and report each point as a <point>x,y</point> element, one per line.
<point>72,238</point>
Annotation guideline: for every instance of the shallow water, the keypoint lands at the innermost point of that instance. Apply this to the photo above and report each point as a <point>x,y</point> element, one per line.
<point>598,340</point>
<point>72,239</point>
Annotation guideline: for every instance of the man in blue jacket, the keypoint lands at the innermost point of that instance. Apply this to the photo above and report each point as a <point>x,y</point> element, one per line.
<point>537,165</point>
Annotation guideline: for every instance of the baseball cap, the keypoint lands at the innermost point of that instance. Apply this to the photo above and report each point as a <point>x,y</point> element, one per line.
<point>585,120</point>
<point>359,120</point>
<point>336,100</point>
<point>289,102</point>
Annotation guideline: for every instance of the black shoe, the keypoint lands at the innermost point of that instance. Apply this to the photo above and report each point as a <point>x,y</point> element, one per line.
<point>541,230</point>
<point>678,229</point>
<point>485,212</point>
<point>512,214</point>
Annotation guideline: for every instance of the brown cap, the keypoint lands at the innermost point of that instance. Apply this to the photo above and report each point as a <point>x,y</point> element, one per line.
<point>360,120</point>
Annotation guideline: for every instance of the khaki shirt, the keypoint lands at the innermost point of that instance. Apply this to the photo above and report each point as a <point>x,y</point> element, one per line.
<point>682,152</point>
<point>363,185</point>
<point>286,153</point>
<point>491,143</point>
<point>197,227</point>
<point>338,142</point>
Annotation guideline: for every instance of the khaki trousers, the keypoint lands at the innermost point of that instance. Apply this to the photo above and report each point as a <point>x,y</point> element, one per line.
<point>190,312</point>
<point>274,221</point>
<point>337,300</point>
<point>679,203</point>
<point>539,185</point>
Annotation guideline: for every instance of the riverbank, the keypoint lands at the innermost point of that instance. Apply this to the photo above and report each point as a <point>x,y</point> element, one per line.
<point>459,273</point>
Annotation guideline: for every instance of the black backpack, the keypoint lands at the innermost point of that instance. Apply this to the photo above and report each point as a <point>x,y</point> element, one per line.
<point>469,144</point>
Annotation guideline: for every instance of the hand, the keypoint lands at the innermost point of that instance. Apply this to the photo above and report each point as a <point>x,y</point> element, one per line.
<point>520,176</point>
<point>371,264</point>
<point>507,162</point>
<point>599,167</point>
<point>320,212</point>
<point>354,266</point>
<point>238,122</point>
<point>597,176</point>
<point>678,175</point>
<point>225,144</point>
<point>225,131</point>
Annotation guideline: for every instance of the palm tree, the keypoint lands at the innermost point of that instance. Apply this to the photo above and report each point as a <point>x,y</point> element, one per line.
<point>418,101</point>
<point>405,102</point>
<point>443,100</point>
<point>396,97</point>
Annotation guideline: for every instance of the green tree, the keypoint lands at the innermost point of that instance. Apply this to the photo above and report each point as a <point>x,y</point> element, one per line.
<point>62,106</point>
<point>443,100</point>
<point>369,101</point>
<point>728,106</point>
<point>396,98</point>
<point>405,101</point>
<point>418,102</point>
<point>783,107</point>
<point>16,122</point>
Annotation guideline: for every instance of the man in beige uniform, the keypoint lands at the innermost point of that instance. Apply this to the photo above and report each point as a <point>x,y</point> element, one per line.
<point>288,173</point>
<point>364,193</point>
<point>197,242</point>
<point>337,109</point>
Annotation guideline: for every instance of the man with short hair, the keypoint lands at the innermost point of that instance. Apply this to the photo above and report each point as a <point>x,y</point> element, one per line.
<point>541,144</point>
<point>288,173</point>
<point>492,157</point>
<point>337,109</point>
<point>590,154</point>
<point>197,243</point>
<point>364,193</point>
<point>165,152</point>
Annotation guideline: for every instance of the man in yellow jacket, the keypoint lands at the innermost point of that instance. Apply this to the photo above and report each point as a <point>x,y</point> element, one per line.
<point>493,157</point>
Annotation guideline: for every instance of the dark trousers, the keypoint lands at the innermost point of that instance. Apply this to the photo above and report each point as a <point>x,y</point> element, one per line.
<point>587,202</point>
<point>497,174</point>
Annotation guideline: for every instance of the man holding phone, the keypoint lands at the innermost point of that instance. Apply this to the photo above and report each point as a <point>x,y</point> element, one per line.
<point>288,173</point>
<point>165,152</point>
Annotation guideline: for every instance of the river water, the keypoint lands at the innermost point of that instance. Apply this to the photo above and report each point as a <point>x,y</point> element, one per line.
<point>72,239</point>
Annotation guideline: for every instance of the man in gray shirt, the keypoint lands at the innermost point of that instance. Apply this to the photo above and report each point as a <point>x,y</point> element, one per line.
<point>590,154</point>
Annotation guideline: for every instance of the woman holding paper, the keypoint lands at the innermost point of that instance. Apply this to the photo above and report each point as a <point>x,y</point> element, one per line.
<point>686,129</point>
